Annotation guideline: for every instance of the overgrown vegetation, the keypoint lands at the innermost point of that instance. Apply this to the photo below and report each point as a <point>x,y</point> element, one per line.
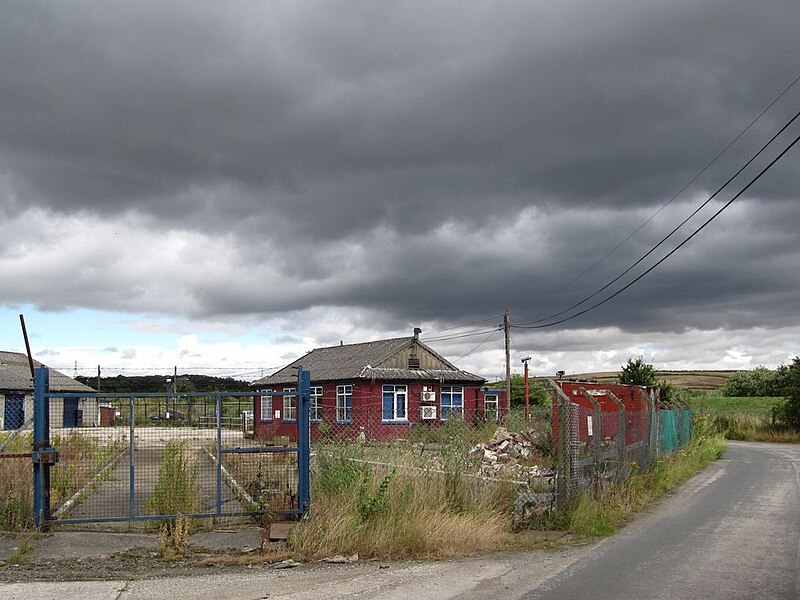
<point>80,458</point>
<point>398,511</point>
<point>757,405</point>
<point>601,516</point>
<point>175,493</point>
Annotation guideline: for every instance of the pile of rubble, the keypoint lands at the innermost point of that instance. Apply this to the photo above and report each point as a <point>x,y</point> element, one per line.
<point>510,454</point>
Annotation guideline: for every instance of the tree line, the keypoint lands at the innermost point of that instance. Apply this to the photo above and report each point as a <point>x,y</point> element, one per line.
<point>157,384</point>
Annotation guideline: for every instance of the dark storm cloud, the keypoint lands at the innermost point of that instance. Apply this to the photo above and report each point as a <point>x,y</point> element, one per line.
<point>337,141</point>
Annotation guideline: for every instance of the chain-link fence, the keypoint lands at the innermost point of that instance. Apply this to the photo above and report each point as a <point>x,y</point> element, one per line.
<point>156,456</point>
<point>16,476</point>
<point>153,457</point>
<point>602,433</point>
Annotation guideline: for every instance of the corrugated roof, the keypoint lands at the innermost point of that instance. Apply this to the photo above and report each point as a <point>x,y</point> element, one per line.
<point>15,375</point>
<point>357,361</point>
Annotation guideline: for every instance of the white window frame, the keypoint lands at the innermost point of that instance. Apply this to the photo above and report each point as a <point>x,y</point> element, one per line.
<point>315,406</point>
<point>451,391</point>
<point>397,392</point>
<point>290,404</point>
<point>496,403</point>
<point>266,406</point>
<point>344,411</point>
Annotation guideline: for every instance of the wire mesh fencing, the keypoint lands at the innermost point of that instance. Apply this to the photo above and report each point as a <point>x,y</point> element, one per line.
<point>152,457</point>
<point>603,433</point>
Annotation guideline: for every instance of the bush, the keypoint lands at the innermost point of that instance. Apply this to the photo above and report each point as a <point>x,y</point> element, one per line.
<point>789,412</point>
<point>760,381</point>
<point>637,372</point>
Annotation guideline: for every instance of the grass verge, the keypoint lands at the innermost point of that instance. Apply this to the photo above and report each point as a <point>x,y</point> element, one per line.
<point>398,512</point>
<point>592,517</point>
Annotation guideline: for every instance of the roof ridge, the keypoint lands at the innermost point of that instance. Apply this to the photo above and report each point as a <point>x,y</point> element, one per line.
<point>363,343</point>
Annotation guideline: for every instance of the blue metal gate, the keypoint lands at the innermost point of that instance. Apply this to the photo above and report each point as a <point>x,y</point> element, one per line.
<point>160,456</point>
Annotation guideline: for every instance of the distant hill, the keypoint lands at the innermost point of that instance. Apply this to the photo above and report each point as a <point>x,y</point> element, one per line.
<point>693,380</point>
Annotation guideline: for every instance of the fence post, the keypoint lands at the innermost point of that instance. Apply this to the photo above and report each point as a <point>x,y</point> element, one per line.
<point>649,404</point>
<point>622,442</point>
<point>563,467</point>
<point>304,439</point>
<point>597,437</point>
<point>41,443</point>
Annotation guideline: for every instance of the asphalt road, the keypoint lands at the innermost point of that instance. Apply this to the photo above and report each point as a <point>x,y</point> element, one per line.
<point>732,532</point>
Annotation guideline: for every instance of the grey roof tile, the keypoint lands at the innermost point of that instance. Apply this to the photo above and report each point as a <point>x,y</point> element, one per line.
<point>357,361</point>
<point>15,375</point>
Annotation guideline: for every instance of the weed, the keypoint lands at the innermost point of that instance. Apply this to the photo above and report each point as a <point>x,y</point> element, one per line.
<point>20,552</point>
<point>175,493</point>
<point>369,504</point>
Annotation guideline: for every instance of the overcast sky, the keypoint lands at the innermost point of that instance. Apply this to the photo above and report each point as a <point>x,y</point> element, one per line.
<point>227,185</point>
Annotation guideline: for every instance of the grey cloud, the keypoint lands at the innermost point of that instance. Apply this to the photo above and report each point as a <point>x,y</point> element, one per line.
<point>295,131</point>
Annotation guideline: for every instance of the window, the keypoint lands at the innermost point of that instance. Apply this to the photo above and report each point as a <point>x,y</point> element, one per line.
<point>452,402</point>
<point>490,408</point>
<point>266,406</point>
<point>344,403</point>
<point>289,405</point>
<point>316,403</point>
<point>395,407</point>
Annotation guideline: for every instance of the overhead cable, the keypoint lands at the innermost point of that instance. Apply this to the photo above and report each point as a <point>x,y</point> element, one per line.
<point>673,251</point>
<point>670,234</point>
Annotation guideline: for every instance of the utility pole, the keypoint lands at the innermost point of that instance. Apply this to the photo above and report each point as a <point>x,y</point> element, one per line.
<point>525,360</point>
<point>98,378</point>
<point>506,330</point>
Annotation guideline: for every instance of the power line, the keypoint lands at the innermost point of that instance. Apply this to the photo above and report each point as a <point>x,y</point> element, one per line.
<point>486,339</point>
<point>674,250</point>
<point>668,202</point>
<point>492,318</point>
<point>671,233</point>
<point>462,335</point>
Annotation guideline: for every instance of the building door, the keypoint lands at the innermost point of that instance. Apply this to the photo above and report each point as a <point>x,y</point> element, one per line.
<point>70,412</point>
<point>14,412</point>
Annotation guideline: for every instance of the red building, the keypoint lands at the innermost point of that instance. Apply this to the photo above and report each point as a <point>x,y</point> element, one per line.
<point>375,390</point>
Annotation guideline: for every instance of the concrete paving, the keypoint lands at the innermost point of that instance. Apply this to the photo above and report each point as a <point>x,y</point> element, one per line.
<point>94,544</point>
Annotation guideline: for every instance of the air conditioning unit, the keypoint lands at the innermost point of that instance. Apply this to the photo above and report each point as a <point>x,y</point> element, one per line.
<point>427,396</point>
<point>428,413</point>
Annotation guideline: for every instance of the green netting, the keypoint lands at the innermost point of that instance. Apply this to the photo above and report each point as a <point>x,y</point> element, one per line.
<point>674,429</point>
<point>683,426</point>
<point>667,432</point>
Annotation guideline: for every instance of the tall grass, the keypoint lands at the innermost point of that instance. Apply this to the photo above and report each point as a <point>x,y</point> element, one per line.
<point>175,493</point>
<point>601,516</point>
<point>80,457</point>
<point>754,428</point>
<point>397,512</point>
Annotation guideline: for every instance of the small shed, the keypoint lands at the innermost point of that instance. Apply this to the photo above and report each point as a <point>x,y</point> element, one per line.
<point>16,396</point>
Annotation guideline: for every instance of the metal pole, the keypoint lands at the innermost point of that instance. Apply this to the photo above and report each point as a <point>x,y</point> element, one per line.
<point>219,455</point>
<point>41,435</point>
<point>27,345</point>
<point>131,449</point>
<point>304,439</point>
<point>506,330</point>
<point>527,390</point>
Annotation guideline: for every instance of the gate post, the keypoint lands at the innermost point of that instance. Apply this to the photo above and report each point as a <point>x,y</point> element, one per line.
<point>304,439</point>
<point>43,455</point>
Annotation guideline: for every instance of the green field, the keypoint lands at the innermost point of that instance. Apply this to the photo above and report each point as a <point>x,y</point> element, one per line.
<point>730,405</point>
